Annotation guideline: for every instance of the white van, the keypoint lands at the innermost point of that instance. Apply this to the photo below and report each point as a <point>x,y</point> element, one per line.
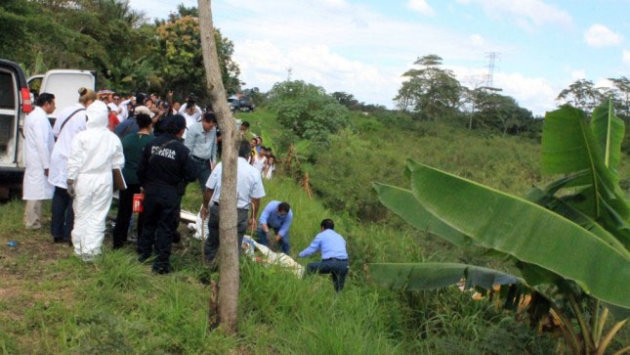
<point>65,85</point>
<point>16,103</point>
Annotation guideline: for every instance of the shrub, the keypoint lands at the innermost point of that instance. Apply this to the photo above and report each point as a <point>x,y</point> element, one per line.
<point>306,110</point>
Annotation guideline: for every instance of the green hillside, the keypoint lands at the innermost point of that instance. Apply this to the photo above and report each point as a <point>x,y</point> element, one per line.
<point>51,302</point>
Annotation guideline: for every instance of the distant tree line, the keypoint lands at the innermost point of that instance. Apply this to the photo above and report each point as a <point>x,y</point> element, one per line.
<point>431,92</point>
<point>108,36</point>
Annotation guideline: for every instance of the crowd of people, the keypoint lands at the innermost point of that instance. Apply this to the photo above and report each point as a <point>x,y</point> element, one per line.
<point>145,146</point>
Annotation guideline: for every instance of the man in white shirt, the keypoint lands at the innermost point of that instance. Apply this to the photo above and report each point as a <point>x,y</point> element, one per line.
<point>191,112</point>
<point>249,190</point>
<point>38,144</point>
<point>70,121</point>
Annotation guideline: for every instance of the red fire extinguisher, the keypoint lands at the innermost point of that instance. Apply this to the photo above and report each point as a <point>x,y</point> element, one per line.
<point>137,202</point>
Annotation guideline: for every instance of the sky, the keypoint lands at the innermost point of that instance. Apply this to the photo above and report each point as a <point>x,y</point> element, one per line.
<point>363,47</point>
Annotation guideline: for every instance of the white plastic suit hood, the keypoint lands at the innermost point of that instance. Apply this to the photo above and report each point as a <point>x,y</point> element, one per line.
<point>97,115</point>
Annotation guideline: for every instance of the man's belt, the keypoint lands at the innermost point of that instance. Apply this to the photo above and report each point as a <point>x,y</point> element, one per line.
<point>244,208</point>
<point>199,159</point>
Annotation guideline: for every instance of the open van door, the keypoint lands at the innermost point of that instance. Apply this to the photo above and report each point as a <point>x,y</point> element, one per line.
<point>65,85</point>
<point>15,103</point>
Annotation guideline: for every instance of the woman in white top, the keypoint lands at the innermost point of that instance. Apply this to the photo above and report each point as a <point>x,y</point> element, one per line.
<point>270,166</point>
<point>259,160</point>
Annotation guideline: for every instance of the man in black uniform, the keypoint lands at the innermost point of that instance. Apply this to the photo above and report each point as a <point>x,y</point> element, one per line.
<point>165,169</point>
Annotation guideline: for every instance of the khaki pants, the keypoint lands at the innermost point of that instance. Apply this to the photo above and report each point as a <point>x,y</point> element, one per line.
<point>33,214</point>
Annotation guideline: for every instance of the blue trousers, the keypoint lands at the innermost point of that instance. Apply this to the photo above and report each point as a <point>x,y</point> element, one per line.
<point>283,243</point>
<point>203,172</point>
<point>62,218</point>
<point>338,269</point>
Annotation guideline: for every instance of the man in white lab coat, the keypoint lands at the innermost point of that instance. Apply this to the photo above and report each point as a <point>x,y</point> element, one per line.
<point>38,144</point>
<point>94,154</point>
<point>70,121</point>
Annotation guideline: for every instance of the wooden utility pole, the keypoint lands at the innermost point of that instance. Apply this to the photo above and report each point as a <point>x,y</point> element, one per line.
<point>228,253</point>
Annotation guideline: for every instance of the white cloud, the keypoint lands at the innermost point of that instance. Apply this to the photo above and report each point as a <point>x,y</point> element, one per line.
<point>340,4</point>
<point>476,39</point>
<point>578,74</point>
<point>525,13</point>
<point>625,56</point>
<point>604,83</point>
<point>421,6</point>
<point>263,64</point>
<point>601,36</point>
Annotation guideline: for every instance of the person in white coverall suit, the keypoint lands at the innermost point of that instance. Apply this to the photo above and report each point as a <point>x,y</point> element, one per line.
<point>94,154</point>
<point>38,144</point>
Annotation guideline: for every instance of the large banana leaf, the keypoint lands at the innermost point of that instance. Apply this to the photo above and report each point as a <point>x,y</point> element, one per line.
<point>403,203</point>
<point>571,147</point>
<point>526,231</point>
<point>428,276</point>
<point>564,208</point>
<point>608,130</point>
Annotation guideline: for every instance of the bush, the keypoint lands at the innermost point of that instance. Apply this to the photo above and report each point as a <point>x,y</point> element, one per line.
<point>306,110</point>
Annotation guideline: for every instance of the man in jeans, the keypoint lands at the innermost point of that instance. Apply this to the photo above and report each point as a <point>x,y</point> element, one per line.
<point>201,139</point>
<point>277,216</point>
<point>334,254</point>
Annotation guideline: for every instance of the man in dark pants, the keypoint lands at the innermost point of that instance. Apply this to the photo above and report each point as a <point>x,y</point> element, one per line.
<point>133,145</point>
<point>62,218</point>
<point>249,189</point>
<point>278,216</point>
<point>334,254</point>
<point>164,171</point>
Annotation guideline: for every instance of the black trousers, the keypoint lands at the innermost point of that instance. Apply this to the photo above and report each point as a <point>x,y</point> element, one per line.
<point>125,210</point>
<point>338,269</point>
<point>161,217</point>
<point>62,219</point>
<point>211,248</point>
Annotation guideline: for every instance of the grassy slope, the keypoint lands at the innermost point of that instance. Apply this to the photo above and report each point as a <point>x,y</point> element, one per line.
<point>50,302</point>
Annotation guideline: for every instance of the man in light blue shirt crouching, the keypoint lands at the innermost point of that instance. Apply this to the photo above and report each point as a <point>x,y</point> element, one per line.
<point>277,216</point>
<point>334,254</point>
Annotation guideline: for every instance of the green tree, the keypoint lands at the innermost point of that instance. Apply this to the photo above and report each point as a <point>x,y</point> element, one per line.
<point>345,99</point>
<point>431,92</point>
<point>501,112</point>
<point>180,57</point>
<point>622,95</point>
<point>581,94</point>
<point>306,110</point>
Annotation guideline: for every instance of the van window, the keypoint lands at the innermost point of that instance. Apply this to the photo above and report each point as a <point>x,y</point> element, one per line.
<point>7,91</point>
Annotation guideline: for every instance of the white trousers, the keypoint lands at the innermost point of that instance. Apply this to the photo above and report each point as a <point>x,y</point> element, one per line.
<point>33,214</point>
<point>91,205</point>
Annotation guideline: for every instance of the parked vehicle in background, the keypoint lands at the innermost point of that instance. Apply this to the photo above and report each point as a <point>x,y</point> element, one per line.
<point>15,104</point>
<point>64,84</point>
<point>241,102</point>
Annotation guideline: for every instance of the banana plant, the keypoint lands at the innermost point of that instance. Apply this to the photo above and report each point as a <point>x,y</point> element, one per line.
<point>569,240</point>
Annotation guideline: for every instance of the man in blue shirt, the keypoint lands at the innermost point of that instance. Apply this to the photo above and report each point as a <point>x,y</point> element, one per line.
<point>334,254</point>
<point>201,139</point>
<point>278,216</point>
